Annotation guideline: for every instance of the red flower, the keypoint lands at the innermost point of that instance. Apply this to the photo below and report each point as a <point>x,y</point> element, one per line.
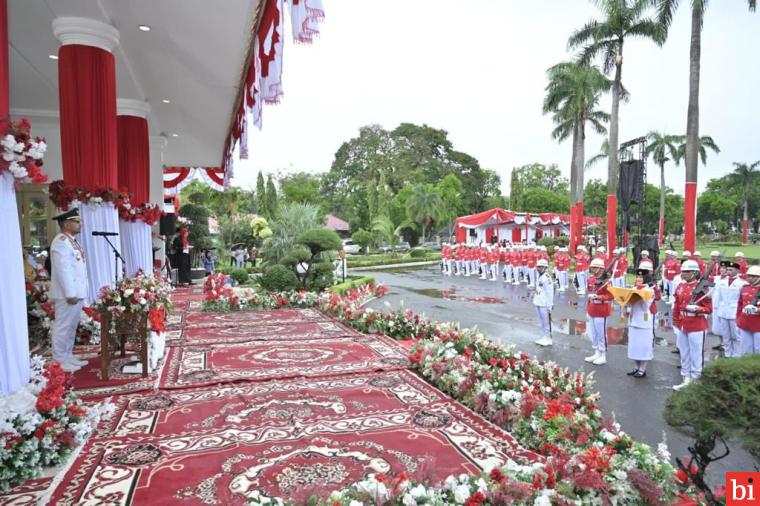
<point>475,499</point>
<point>44,426</point>
<point>496,475</point>
<point>416,357</point>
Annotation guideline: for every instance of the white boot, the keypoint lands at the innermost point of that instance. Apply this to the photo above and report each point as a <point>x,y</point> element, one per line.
<point>685,382</point>
<point>75,361</point>
<point>601,359</point>
<point>69,367</point>
<point>544,341</point>
<point>592,357</point>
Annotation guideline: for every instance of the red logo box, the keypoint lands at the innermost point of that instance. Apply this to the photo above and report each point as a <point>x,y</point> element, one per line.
<point>742,489</point>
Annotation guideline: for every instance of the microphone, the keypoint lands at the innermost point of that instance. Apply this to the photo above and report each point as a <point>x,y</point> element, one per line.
<point>104,233</point>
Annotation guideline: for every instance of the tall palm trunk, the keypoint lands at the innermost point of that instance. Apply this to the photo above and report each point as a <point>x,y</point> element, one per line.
<point>662,203</point>
<point>580,164</point>
<point>745,223</point>
<point>612,161</point>
<point>573,192</point>
<point>692,128</point>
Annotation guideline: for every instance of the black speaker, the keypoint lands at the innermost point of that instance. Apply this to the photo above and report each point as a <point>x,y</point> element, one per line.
<point>473,233</point>
<point>649,243</point>
<point>168,224</point>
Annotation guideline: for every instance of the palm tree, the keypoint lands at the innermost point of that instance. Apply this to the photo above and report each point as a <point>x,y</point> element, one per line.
<point>291,221</point>
<point>572,94</point>
<point>748,180</point>
<point>704,143</point>
<point>621,19</point>
<point>604,153</point>
<point>666,10</point>
<point>663,148</point>
<point>423,206</point>
<point>387,231</point>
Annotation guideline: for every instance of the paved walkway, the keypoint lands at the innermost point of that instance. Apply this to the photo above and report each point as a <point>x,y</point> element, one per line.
<point>505,313</point>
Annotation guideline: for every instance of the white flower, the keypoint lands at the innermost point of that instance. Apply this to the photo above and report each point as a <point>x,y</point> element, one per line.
<point>461,493</point>
<point>355,503</point>
<point>450,483</point>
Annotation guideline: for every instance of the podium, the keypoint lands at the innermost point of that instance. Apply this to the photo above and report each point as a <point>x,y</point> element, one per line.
<point>115,333</point>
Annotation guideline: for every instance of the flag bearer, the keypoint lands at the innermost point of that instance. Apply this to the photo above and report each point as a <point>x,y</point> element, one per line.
<point>747,314</point>
<point>690,317</point>
<point>725,298</point>
<point>641,320</point>
<point>543,299</point>
<point>599,308</point>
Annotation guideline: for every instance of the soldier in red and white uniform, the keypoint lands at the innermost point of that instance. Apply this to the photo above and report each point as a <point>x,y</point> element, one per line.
<point>621,268</point>
<point>697,257</point>
<point>506,261</point>
<point>456,255</point>
<point>494,258</point>
<point>747,313</point>
<point>531,258</point>
<point>601,253</point>
<point>670,269</point>
<point>690,318</point>
<point>714,256</point>
<point>484,255</point>
<point>562,264</point>
<point>515,260</point>
<point>445,258</point>
<point>581,269</point>
<point>471,253</point>
<point>599,309</point>
<point>741,260</point>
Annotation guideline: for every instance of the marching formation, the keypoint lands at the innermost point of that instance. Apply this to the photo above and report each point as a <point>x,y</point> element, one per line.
<point>721,295</point>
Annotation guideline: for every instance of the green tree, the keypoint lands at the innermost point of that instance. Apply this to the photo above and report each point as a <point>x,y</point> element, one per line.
<point>383,196</point>
<point>621,20</point>
<point>604,152</point>
<point>532,176</point>
<point>261,197</point>
<point>292,220</point>
<point>541,200</point>
<point>747,179</point>
<point>300,188</point>
<point>363,238</point>
<point>666,9</point>
<point>314,270</point>
<point>663,148</point>
<point>386,231</point>
<point>715,206</point>
<point>196,213</point>
<point>372,199</point>
<point>451,191</point>
<point>272,204</point>
<point>423,206</point>
<point>595,198</point>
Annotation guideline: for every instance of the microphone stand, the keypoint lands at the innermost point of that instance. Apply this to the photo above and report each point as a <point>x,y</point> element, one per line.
<point>116,258</point>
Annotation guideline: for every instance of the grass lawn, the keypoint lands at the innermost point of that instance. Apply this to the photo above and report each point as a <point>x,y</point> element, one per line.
<point>728,250</point>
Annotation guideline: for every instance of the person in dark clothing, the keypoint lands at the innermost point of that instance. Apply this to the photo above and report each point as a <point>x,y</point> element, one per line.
<point>181,247</point>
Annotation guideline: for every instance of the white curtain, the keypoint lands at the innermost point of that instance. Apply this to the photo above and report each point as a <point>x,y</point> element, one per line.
<point>14,335</point>
<point>137,246</point>
<point>99,255</point>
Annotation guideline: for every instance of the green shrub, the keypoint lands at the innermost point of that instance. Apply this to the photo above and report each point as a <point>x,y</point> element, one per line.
<point>363,239</point>
<point>278,278</point>
<point>320,239</point>
<point>239,275</point>
<point>420,252</point>
<point>351,284</point>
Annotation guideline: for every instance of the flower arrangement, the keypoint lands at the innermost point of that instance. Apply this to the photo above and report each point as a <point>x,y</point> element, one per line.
<point>142,292</point>
<point>41,314</point>
<point>148,213</point>
<point>22,153</point>
<point>43,424</point>
<point>65,196</point>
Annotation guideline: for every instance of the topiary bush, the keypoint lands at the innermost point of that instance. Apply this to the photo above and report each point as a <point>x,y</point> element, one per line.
<point>420,252</point>
<point>320,239</point>
<point>239,275</point>
<point>278,278</point>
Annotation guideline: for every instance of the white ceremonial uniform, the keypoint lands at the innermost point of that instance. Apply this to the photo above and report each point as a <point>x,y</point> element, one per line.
<point>641,331</point>
<point>543,299</point>
<point>715,325</point>
<point>725,297</point>
<point>68,281</point>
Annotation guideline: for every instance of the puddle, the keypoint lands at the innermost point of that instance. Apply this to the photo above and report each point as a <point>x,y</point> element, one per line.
<point>451,294</point>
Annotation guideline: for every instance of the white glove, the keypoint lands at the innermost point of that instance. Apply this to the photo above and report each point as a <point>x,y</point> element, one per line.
<point>750,309</point>
<point>692,308</point>
<point>593,296</point>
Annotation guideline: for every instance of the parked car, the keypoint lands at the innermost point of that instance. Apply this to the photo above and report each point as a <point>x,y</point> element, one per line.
<point>384,248</point>
<point>435,246</point>
<point>403,246</point>
<point>350,247</point>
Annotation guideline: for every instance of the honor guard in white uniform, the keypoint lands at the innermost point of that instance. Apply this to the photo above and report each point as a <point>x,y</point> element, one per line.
<point>725,296</point>
<point>543,299</point>
<point>68,289</point>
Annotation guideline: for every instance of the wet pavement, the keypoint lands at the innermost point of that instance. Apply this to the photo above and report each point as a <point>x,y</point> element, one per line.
<point>505,312</point>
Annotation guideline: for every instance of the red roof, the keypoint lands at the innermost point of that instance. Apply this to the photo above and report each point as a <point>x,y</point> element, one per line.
<point>335,223</point>
<point>499,216</point>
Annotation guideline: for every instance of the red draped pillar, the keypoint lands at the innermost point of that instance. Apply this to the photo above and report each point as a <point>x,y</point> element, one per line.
<point>133,149</point>
<point>87,96</point>
<point>690,217</point>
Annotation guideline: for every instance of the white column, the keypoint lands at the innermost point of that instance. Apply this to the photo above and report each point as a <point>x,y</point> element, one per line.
<point>157,148</point>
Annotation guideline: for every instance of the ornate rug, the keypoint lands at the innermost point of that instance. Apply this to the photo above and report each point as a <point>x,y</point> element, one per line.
<point>279,359</point>
<point>87,382</point>
<point>268,403</point>
<point>273,317</point>
<point>241,333</point>
<point>294,456</point>
<point>26,494</point>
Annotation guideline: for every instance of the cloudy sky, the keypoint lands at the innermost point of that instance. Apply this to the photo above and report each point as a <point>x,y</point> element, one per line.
<point>478,70</point>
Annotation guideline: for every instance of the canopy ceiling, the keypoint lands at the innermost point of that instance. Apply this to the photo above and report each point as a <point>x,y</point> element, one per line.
<point>193,56</point>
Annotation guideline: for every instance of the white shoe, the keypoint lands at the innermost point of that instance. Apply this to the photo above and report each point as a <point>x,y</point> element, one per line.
<point>75,361</point>
<point>530,285</point>
<point>544,341</point>
<point>581,293</point>
<point>515,283</point>
<point>69,367</point>
<point>592,357</point>
<point>685,382</point>
<point>600,360</point>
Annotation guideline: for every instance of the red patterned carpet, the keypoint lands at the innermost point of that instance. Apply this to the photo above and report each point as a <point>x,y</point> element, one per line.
<point>289,403</point>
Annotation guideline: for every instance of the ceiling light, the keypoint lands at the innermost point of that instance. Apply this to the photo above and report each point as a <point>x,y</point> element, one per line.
<point>53,56</point>
<point>143,28</point>
<point>166,101</point>
<point>175,135</point>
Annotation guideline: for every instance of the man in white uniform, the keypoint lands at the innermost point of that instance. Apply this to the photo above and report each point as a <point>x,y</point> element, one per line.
<point>68,289</point>
<point>725,297</point>
<point>543,299</point>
